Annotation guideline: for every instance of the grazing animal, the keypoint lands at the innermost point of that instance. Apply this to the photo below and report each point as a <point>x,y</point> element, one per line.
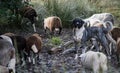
<point>19,42</point>
<point>7,54</point>
<point>53,23</point>
<point>115,32</point>
<point>97,61</point>
<point>30,13</point>
<point>117,52</point>
<point>34,45</point>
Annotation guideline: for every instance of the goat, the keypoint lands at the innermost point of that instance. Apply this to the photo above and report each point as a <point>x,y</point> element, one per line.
<point>30,13</point>
<point>53,23</point>
<point>34,44</point>
<point>97,61</point>
<point>115,32</point>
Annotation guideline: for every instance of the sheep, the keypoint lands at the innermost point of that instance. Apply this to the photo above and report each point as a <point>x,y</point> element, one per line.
<point>97,61</point>
<point>53,23</point>
<point>7,54</point>
<point>34,44</point>
<point>30,13</point>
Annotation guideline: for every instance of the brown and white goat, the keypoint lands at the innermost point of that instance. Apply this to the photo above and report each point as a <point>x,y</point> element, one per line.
<point>53,23</point>
<point>7,54</point>
<point>97,61</point>
<point>33,46</point>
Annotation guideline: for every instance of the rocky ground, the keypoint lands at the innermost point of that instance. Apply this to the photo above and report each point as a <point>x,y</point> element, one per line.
<point>57,62</point>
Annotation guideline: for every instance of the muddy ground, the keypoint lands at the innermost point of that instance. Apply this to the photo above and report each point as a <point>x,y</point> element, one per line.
<point>57,62</point>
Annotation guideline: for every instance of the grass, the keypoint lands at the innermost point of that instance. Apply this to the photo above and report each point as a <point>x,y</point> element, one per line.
<point>55,41</point>
<point>67,10</point>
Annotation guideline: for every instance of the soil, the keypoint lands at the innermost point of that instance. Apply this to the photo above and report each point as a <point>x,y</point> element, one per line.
<point>57,62</point>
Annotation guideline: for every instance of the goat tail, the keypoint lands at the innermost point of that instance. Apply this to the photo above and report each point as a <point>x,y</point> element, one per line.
<point>108,26</point>
<point>34,48</point>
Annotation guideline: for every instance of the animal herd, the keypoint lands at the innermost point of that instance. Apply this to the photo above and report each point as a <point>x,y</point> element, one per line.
<point>98,29</point>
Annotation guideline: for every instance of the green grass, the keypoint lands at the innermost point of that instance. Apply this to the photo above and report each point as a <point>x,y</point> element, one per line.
<point>55,41</point>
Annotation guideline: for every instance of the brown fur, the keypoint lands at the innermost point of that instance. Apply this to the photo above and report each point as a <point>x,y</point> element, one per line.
<point>116,36</point>
<point>118,50</point>
<point>118,46</point>
<point>53,22</point>
<point>34,39</point>
<point>115,33</point>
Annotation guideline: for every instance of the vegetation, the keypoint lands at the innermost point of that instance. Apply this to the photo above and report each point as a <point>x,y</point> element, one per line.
<point>69,9</point>
<point>65,9</point>
<point>9,14</point>
<point>55,41</point>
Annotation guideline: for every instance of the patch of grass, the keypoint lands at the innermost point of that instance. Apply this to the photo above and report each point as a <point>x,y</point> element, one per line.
<point>55,41</point>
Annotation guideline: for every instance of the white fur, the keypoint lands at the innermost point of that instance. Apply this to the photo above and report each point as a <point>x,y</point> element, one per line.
<point>57,29</point>
<point>79,33</point>
<point>102,17</point>
<point>94,60</point>
<point>11,64</point>
<point>34,48</point>
<point>29,59</point>
<point>34,27</point>
<point>6,38</point>
<point>47,21</point>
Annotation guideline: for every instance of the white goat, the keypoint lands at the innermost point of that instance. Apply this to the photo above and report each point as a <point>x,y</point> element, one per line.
<point>96,61</point>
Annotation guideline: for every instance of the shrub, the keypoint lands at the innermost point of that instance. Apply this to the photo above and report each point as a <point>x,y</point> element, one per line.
<point>55,41</point>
